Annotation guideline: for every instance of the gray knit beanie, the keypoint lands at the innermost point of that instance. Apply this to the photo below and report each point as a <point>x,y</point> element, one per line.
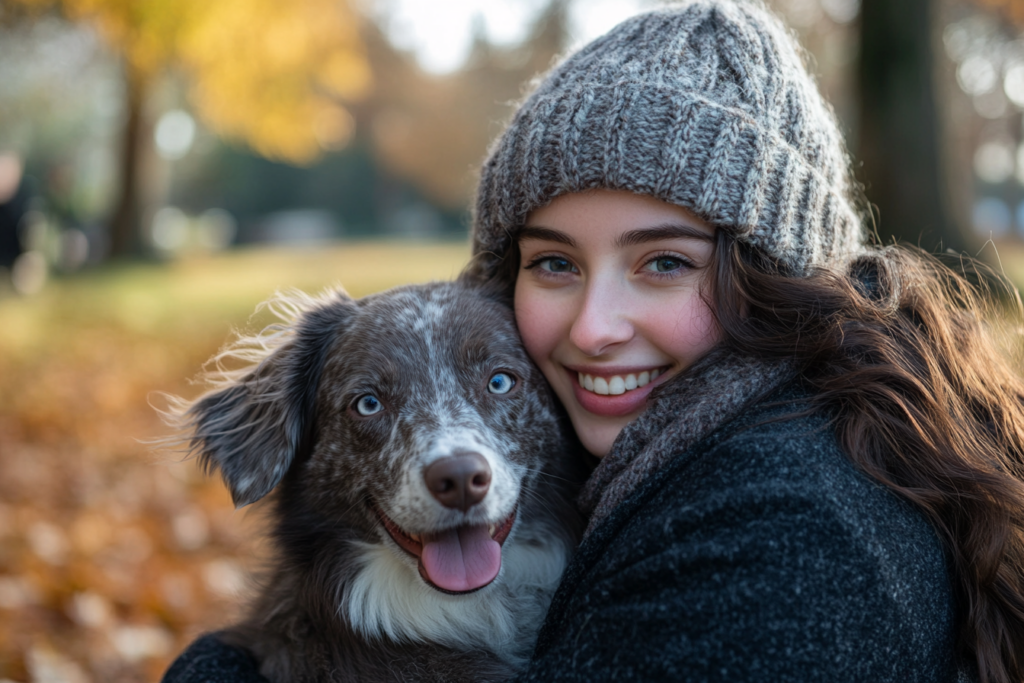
<point>706,105</point>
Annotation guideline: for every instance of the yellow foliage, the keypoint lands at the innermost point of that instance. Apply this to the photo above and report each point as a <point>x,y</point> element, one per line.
<point>267,72</point>
<point>1014,9</point>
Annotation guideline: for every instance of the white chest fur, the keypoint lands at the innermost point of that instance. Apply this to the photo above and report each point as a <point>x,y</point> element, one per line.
<point>388,599</point>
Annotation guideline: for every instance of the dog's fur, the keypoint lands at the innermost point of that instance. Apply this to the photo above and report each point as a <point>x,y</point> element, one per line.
<point>343,601</point>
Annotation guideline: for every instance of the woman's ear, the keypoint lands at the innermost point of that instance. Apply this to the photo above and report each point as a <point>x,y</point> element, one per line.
<point>259,418</point>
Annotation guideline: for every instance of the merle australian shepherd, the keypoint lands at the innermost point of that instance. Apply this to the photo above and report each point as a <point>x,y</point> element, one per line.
<point>415,464</point>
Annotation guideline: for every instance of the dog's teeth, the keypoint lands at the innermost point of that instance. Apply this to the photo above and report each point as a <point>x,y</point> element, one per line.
<point>415,537</point>
<point>491,529</point>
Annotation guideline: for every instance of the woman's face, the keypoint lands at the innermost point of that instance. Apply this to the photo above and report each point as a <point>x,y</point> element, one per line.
<point>608,300</point>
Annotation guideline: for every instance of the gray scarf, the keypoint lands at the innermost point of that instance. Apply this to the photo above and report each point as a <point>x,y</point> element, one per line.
<point>678,414</point>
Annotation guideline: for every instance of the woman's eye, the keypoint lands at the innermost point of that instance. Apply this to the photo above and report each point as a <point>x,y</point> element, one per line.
<point>554,264</point>
<point>500,383</point>
<point>559,265</point>
<point>666,264</point>
<point>369,405</point>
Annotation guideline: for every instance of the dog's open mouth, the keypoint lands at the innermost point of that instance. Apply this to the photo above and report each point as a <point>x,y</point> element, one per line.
<point>458,560</point>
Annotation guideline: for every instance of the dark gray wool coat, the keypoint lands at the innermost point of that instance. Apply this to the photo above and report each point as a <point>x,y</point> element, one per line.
<point>758,553</point>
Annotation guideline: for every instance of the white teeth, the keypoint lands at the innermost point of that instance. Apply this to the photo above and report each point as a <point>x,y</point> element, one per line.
<point>617,384</point>
<point>415,537</point>
<point>491,529</point>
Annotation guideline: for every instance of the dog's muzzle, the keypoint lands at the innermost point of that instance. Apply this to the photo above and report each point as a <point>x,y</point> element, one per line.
<point>459,560</point>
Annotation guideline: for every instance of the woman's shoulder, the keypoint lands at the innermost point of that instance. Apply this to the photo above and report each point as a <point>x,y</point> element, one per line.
<point>783,439</point>
<point>209,660</point>
<point>776,488</point>
<point>766,536</point>
<point>784,453</point>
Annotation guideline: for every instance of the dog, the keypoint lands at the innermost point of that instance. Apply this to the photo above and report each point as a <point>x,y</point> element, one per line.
<point>422,483</point>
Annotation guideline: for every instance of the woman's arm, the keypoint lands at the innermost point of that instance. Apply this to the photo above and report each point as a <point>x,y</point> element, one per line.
<point>208,660</point>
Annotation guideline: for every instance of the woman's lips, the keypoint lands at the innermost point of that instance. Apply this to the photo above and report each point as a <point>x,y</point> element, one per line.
<point>611,405</point>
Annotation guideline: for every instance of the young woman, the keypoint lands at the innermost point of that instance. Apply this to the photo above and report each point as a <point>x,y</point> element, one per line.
<point>810,451</point>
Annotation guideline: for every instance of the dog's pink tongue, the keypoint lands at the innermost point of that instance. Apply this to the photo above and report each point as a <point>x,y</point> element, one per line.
<point>461,559</point>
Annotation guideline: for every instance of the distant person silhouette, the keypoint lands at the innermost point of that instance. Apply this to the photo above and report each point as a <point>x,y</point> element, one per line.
<point>13,202</point>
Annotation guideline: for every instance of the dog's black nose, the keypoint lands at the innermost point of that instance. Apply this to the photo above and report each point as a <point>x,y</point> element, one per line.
<point>459,481</point>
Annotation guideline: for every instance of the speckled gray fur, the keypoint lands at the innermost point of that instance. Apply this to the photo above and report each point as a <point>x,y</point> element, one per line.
<point>343,599</point>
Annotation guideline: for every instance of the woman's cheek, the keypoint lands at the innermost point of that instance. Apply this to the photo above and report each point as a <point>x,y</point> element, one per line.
<point>698,334</point>
<point>526,320</point>
<point>539,319</point>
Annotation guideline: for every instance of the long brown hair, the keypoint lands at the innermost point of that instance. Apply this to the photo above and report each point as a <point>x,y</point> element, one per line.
<point>903,351</point>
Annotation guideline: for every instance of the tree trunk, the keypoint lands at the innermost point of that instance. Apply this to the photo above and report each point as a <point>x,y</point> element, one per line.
<point>125,226</point>
<point>899,136</point>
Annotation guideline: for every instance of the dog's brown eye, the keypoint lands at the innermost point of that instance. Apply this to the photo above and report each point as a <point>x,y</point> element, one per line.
<point>500,383</point>
<point>368,405</point>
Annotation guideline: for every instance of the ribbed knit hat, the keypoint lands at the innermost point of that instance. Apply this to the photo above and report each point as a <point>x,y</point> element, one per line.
<point>706,105</point>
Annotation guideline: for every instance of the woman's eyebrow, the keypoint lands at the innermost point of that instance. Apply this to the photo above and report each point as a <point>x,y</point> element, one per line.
<point>530,232</point>
<point>662,232</point>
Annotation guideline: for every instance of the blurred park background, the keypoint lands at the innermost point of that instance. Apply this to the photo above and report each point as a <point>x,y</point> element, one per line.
<point>165,165</point>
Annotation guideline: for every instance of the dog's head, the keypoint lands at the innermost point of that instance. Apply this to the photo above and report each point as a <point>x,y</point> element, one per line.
<point>413,416</point>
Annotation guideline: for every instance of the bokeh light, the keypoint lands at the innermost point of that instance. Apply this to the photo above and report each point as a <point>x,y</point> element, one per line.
<point>174,134</point>
<point>991,217</point>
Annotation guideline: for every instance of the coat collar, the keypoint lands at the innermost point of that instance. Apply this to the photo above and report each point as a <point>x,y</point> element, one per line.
<point>678,414</point>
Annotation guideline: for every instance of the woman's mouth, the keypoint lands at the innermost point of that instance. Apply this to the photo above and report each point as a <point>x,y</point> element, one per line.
<point>617,384</point>
<point>614,395</point>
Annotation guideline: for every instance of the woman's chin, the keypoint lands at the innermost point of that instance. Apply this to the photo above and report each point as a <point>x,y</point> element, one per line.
<point>597,434</point>
<point>598,418</point>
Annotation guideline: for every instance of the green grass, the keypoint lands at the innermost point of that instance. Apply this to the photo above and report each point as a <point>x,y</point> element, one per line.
<point>211,291</point>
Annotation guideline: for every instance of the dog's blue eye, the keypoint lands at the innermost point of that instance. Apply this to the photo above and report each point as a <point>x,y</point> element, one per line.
<point>501,383</point>
<point>369,405</point>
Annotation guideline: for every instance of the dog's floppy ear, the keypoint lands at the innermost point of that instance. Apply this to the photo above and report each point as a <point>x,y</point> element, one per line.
<point>257,419</point>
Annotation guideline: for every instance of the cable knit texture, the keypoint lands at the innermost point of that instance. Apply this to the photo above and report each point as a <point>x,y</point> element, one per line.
<point>706,105</point>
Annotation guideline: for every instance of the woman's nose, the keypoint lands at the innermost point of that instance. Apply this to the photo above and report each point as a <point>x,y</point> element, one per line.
<point>601,322</point>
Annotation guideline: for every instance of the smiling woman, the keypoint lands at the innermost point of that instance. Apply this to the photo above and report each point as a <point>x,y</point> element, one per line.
<point>610,302</point>
<point>832,446</point>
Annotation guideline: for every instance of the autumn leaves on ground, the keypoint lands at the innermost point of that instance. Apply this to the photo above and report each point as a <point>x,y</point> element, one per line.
<point>113,556</point>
